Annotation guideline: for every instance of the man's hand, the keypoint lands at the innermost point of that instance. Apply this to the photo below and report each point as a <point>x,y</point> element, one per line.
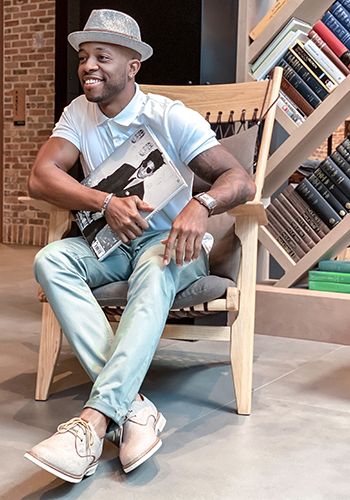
<point>187,233</point>
<point>124,218</point>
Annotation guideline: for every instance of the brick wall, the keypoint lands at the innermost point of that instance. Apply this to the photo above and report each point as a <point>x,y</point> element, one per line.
<point>29,62</point>
<point>337,137</point>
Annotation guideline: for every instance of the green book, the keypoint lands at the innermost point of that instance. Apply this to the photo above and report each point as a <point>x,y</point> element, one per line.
<point>336,266</point>
<point>329,276</point>
<point>327,286</point>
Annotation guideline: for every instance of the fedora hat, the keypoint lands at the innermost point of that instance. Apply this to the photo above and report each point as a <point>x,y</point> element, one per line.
<point>111,26</point>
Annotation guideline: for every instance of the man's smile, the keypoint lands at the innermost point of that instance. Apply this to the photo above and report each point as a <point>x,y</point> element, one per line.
<point>91,82</point>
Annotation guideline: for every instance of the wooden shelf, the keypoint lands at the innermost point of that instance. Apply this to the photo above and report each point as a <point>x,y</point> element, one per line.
<point>309,11</point>
<point>303,140</point>
<point>307,137</point>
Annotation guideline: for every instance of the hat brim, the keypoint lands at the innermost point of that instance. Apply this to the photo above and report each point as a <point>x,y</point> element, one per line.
<point>78,37</point>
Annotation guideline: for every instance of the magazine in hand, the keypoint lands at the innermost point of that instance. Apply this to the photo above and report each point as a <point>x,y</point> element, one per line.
<point>140,166</point>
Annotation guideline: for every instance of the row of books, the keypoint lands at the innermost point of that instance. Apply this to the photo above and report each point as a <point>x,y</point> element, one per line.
<point>304,213</point>
<point>331,276</point>
<point>315,60</point>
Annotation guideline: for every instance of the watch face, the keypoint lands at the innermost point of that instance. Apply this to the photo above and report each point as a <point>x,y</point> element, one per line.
<point>209,200</point>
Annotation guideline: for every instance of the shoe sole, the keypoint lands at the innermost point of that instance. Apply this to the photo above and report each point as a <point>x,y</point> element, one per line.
<point>160,424</point>
<point>89,471</point>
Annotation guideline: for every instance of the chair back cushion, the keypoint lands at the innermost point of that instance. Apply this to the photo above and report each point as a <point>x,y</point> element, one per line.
<point>225,255</point>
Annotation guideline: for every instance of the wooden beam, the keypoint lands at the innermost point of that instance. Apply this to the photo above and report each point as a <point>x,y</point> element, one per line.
<point>303,314</point>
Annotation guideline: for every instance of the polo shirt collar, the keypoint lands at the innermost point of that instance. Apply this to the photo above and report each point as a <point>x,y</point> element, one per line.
<point>129,113</point>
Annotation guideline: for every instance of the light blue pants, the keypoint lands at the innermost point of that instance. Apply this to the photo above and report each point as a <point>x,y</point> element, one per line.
<point>117,364</point>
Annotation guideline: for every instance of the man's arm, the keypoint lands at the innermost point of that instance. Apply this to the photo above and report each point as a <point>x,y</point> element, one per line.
<point>49,180</point>
<point>231,186</point>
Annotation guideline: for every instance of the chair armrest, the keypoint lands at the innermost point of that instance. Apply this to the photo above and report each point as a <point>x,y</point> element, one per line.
<point>42,205</point>
<point>251,208</point>
<point>60,218</point>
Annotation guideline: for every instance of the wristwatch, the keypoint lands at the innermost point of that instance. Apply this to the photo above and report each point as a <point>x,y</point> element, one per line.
<point>207,201</point>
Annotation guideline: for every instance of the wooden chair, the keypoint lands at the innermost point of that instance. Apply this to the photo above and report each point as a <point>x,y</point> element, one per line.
<point>236,301</point>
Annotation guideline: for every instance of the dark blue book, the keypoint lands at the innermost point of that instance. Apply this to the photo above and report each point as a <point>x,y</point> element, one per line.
<point>333,188</point>
<point>341,162</point>
<point>337,29</point>
<point>341,15</point>
<point>316,201</point>
<point>336,174</point>
<point>327,195</point>
<point>341,149</point>
<point>345,4</point>
<point>294,79</point>
<point>305,74</point>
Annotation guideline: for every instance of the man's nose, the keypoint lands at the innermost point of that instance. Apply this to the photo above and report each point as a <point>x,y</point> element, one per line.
<point>90,64</point>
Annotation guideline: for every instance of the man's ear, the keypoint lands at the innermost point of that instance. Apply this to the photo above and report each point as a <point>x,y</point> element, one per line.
<point>134,66</point>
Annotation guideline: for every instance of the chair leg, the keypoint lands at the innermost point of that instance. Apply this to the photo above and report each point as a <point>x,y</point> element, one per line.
<point>242,330</point>
<point>50,345</point>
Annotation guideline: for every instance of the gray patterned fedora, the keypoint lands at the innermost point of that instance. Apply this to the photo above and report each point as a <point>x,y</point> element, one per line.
<point>111,26</point>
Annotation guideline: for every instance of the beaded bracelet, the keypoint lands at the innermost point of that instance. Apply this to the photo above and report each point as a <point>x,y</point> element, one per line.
<point>105,203</point>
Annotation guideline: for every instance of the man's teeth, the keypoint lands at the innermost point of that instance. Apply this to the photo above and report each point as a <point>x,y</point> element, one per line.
<point>92,80</point>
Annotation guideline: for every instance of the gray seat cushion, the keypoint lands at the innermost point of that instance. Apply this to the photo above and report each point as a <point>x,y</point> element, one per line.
<point>202,290</point>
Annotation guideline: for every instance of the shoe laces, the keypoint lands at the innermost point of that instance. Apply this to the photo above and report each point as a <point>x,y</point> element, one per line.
<point>74,426</point>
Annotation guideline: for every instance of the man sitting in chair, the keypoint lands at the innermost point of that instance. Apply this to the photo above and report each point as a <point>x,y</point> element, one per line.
<point>91,127</point>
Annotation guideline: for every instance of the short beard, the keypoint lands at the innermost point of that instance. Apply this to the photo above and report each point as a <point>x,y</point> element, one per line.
<point>109,91</point>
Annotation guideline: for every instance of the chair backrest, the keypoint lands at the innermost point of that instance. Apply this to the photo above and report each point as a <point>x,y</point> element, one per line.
<point>255,98</point>
<point>223,98</point>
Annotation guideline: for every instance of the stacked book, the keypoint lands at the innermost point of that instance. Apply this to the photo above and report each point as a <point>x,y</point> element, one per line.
<point>331,276</point>
<point>315,60</point>
<point>304,213</point>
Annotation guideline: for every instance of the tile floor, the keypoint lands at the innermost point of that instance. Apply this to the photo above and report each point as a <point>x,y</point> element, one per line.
<point>294,446</point>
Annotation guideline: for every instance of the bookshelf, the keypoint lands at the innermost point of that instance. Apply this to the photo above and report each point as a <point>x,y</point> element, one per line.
<point>302,141</point>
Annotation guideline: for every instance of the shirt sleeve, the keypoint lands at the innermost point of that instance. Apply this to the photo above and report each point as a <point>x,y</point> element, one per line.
<point>66,126</point>
<point>190,132</point>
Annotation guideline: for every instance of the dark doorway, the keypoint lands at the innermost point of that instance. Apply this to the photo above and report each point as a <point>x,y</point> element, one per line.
<point>193,41</point>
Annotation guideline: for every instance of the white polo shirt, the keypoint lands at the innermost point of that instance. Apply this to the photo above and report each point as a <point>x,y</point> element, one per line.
<point>182,132</point>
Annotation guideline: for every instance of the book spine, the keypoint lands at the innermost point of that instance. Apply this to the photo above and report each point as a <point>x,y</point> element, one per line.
<point>343,152</point>
<point>333,188</point>
<point>288,89</point>
<point>337,175</point>
<point>345,4</point>
<point>288,221</point>
<point>313,67</point>
<point>325,61</point>
<point>336,266</point>
<point>299,85</point>
<point>346,144</point>
<point>301,70</point>
<point>311,237</point>
<point>306,211</point>
<point>333,42</point>
<point>288,228</point>
<point>341,15</point>
<point>286,237</point>
<point>334,58</point>
<point>337,29</point>
<point>316,201</point>
<point>265,21</point>
<point>282,243</point>
<point>293,106</point>
<point>340,161</point>
<point>329,276</point>
<point>287,108</point>
<point>327,195</point>
<point>324,286</point>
